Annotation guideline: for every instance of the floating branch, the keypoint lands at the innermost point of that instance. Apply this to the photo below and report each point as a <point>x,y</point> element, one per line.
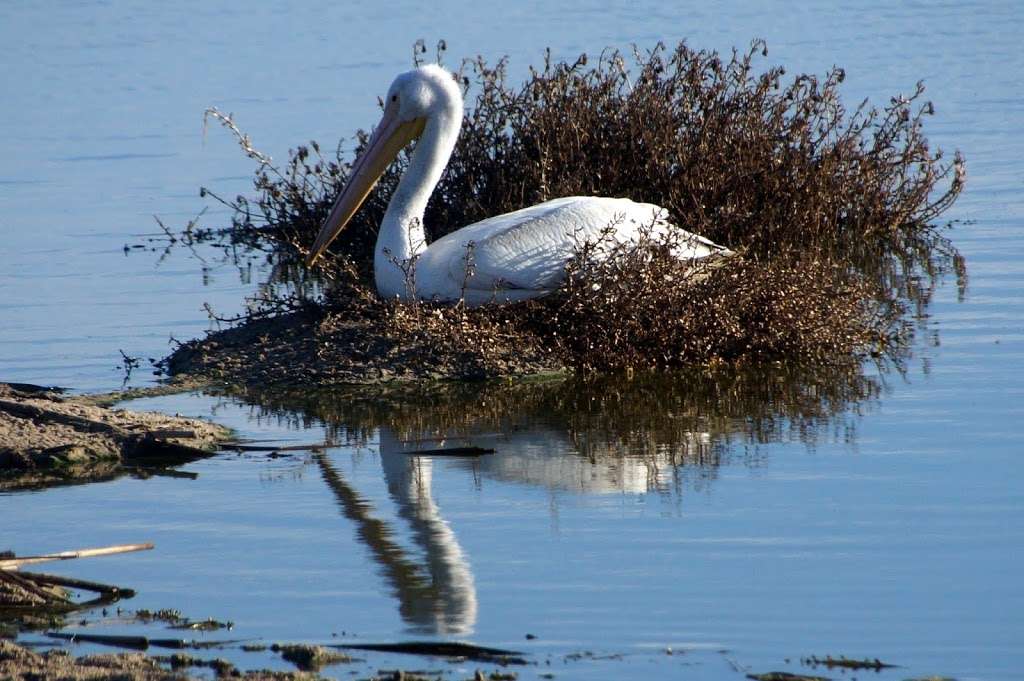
<point>15,563</point>
<point>138,642</point>
<point>846,663</point>
<point>785,676</point>
<point>240,447</point>
<point>71,583</point>
<point>441,649</point>
<point>452,451</point>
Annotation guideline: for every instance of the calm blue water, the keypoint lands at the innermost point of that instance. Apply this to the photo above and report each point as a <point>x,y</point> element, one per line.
<point>897,534</point>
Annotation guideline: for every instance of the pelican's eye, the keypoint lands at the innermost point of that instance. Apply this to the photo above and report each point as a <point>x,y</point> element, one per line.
<point>394,98</point>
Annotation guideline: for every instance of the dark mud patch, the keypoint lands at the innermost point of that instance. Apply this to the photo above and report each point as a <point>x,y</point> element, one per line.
<point>222,668</point>
<point>323,349</point>
<point>20,663</point>
<point>448,649</point>
<point>785,676</point>
<point>17,662</point>
<point>310,658</point>
<point>47,438</point>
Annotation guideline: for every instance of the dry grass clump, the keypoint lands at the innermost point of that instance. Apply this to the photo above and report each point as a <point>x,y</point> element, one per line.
<point>831,211</point>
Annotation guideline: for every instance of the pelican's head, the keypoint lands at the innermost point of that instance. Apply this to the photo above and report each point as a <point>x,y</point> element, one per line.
<point>415,97</point>
<point>425,92</point>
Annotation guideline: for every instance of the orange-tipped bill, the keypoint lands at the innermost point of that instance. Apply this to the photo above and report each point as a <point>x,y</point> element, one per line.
<point>390,137</point>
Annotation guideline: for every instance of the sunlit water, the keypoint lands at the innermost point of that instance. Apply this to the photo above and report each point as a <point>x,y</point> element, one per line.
<point>890,529</point>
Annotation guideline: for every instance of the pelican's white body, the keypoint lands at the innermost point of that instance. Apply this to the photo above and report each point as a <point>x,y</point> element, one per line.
<point>522,255</point>
<point>510,257</point>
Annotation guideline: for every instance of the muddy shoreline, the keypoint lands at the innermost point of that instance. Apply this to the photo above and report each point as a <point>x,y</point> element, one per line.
<point>49,438</point>
<point>18,662</point>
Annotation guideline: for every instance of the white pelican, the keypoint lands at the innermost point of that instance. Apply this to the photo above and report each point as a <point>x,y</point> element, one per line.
<point>515,256</point>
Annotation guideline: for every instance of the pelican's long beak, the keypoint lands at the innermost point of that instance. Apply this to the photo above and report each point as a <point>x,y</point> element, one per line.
<point>390,137</point>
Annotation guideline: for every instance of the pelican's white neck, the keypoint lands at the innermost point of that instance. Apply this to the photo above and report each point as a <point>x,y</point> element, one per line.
<point>401,237</point>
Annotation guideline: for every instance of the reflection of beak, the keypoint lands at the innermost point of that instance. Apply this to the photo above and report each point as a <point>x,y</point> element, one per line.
<point>388,139</point>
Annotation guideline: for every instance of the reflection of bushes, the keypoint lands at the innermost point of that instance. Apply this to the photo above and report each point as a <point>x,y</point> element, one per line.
<point>829,209</point>
<point>641,414</point>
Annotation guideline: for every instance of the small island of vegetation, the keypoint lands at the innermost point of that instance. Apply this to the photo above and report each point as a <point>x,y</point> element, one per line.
<point>832,214</point>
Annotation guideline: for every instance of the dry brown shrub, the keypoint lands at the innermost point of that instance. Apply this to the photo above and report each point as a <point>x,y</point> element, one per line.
<point>662,314</point>
<point>831,211</point>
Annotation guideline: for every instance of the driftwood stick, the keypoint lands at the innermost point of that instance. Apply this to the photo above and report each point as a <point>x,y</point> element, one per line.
<point>28,585</point>
<point>452,451</point>
<point>239,447</point>
<point>15,563</point>
<point>33,388</point>
<point>137,642</point>
<point>440,648</point>
<point>848,663</point>
<point>134,642</point>
<point>30,411</point>
<point>72,583</point>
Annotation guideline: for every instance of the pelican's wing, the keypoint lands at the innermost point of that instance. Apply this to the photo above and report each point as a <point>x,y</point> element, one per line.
<point>523,254</point>
<point>528,249</point>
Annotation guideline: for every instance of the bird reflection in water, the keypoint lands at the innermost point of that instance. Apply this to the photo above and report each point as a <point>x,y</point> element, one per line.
<point>439,595</point>
<point>597,437</point>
